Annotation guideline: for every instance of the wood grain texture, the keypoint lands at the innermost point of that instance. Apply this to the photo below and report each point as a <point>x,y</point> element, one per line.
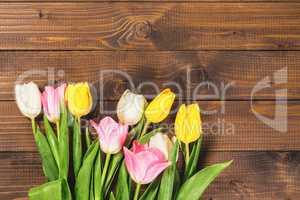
<point>204,75</point>
<point>150,26</point>
<point>155,1</point>
<point>226,125</point>
<point>252,176</point>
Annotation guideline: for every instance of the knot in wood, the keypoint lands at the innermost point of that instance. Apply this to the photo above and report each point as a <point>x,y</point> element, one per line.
<point>143,29</point>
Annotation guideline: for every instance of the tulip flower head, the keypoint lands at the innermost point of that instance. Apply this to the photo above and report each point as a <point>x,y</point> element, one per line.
<point>51,100</point>
<point>188,123</point>
<point>28,99</point>
<point>130,108</point>
<point>144,163</point>
<point>79,99</point>
<point>161,142</point>
<point>159,108</point>
<point>112,135</point>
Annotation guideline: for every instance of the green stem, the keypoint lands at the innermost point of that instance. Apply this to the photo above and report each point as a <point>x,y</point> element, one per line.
<point>58,130</point>
<point>87,137</point>
<point>79,123</point>
<point>187,149</point>
<point>107,159</point>
<point>33,125</point>
<point>137,191</point>
<point>145,128</point>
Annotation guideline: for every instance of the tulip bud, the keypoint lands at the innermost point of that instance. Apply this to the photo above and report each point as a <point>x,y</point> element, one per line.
<point>159,108</point>
<point>130,108</point>
<point>51,99</point>
<point>188,123</point>
<point>144,163</point>
<point>28,99</point>
<point>161,142</point>
<point>112,135</point>
<point>79,99</point>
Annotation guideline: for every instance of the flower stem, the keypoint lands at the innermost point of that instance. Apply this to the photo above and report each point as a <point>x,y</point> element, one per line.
<point>103,176</point>
<point>147,123</point>
<point>58,129</point>
<point>79,123</point>
<point>87,137</point>
<point>33,125</point>
<point>187,149</point>
<point>137,191</point>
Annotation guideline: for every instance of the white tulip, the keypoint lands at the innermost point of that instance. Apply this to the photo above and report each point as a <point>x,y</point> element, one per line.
<point>161,142</point>
<point>28,99</point>
<point>130,108</point>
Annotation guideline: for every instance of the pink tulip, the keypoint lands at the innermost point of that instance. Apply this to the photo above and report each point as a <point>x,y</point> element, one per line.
<point>143,163</point>
<point>51,99</point>
<point>112,135</point>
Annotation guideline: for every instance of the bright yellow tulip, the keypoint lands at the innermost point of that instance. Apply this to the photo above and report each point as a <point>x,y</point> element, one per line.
<point>79,99</point>
<point>159,108</point>
<point>188,123</point>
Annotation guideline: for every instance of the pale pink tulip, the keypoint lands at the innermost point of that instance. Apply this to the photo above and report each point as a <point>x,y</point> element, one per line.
<point>51,99</point>
<point>143,163</point>
<point>112,135</point>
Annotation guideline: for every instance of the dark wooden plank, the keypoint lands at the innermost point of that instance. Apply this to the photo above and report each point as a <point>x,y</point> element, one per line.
<point>19,172</point>
<point>159,26</point>
<point>256,176</point>
<point>253,175</point>
<point>213,1</point>
<point>230,74</point>
<point>229,126</point>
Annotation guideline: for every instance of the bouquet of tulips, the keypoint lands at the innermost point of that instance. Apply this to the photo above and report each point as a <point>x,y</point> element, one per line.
<point>127,160</point>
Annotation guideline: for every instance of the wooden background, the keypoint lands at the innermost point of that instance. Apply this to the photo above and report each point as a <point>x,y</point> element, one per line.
<point>221,41</point>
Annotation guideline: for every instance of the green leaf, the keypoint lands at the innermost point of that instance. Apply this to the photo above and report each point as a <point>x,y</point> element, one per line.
<point>92,189</point>
<point>168,178</point>
<point>145,138</point>
<point>82,185</point>
<point>194,187</point>
<point>77,147</point>
<point>122,188</point>
<point>113,168</point>
<point>52,140</point>
<point>89,150</point>
<point>135,131</point>
<point>97,176</point>
<point>63,141</point>
<point>151,191</point>
<point>191,167</point>
<point>48,162</point>
<point>112,196</point>
<point>67,195</point>
<point>55,190</point>
<point>46,191</point>
<point>177,183</point>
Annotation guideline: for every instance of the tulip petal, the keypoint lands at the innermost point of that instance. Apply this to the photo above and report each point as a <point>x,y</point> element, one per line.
<point>157,153</point>
<point>79,99</point>
<point>28,98</point>
<point>50,101</point>
<point>130,108</point>
<point>112,135</point>
<point>137,147</point>
<point>160,106</point>
<point>154,170</point>
<point>132,165</point>
<point>144,164</point>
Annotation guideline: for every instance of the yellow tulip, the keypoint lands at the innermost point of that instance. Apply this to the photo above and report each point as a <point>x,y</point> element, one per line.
<point>188,123</point>
<point>79,99</point>
<point>159,108</point>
